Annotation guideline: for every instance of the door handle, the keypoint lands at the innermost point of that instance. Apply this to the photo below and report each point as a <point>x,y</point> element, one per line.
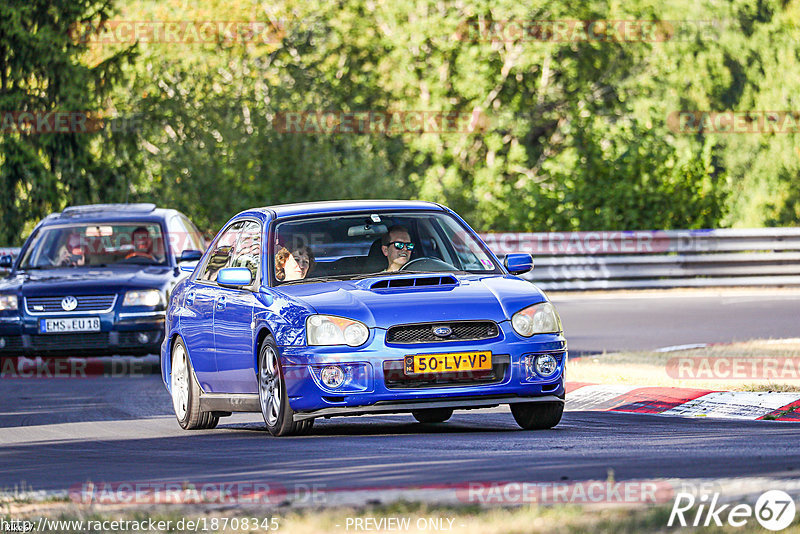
<point>221,303</point>
<point>190,298</point>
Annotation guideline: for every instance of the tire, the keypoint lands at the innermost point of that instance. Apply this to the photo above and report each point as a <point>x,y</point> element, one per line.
<point>433,415</point>
<point>186,392</point>
<point>278,415</point>
<point>537,415</point>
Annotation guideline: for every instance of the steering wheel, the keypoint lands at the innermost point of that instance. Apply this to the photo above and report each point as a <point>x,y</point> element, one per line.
<point>426,263</point>
<point>138,258</point>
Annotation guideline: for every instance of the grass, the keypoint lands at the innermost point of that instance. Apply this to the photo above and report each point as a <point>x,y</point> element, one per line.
<point>463,519</point>
<point>682,368</point>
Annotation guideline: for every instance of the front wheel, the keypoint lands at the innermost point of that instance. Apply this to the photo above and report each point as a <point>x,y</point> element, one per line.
<point>275,408</point>
<point>186,392</point>
<point>537,415</point>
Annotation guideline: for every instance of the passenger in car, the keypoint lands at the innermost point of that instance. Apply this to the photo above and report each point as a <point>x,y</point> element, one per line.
<point>305,259</point>
<point>397,247</point>
<point>286,267</point>
<point>71,254</point>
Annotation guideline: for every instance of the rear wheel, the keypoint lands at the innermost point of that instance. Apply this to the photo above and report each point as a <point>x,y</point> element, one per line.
<point>433,415</point>
<point>186,392</point>
<point>272,395</point>
<point>537,415</point>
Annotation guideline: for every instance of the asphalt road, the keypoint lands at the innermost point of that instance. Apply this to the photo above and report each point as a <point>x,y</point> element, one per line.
<point>641,321</point>
<point>58,433</point>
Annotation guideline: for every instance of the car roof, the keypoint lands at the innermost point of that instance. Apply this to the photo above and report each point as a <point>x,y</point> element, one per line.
<point>338,206</point>
<point>108,213</point>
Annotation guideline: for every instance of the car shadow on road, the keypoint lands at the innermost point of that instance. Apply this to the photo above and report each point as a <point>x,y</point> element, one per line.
<point>398,425</point>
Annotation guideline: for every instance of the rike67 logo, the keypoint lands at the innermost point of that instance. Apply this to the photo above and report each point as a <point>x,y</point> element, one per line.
<point>774,510</point>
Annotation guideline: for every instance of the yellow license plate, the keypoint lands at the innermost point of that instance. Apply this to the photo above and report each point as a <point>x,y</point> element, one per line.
<point>448,363</point>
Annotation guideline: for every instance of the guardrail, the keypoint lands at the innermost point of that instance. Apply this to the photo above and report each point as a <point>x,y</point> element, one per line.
<point>657,259</point>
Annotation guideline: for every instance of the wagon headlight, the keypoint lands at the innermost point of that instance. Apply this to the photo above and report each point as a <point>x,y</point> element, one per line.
<point>330,330</point>
<point>146,297</point>
<point>540,318</point>
<point>8,302</point>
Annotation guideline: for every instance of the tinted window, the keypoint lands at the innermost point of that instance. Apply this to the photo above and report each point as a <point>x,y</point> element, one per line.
<point>248,249</point>
<point>86,245</point>
<point>353,245</point>
<point>223,252</point>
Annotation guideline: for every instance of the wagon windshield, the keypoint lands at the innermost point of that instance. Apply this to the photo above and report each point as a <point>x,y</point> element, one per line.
<point>87,245</point>
<point>317,249</point>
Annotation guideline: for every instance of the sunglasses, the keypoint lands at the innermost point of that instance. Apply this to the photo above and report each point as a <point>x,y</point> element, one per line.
<point>400,244</point>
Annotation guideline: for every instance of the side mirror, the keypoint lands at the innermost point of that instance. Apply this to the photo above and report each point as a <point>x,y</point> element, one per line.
<point>6,262</point>
<point>234,277</point>
<point>190,255</point>
<point>518,263</point>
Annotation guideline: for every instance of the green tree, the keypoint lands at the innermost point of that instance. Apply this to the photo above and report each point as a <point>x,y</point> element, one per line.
<point>41,71</point>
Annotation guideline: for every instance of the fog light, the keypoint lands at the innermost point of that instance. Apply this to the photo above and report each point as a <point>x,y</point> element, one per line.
<point>546,365</point>
<point>332,376</point>
<point>2,342</point>
<point>143,338</point>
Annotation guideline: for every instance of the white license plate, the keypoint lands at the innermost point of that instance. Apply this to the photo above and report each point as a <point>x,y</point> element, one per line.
<point>73,324</point>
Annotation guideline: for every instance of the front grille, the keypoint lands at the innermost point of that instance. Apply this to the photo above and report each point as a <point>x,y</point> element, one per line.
<point>98,340</point>
<point>10,343</point>
<point>395,378</point>
<point>86,303</point>
<point>461,331</point>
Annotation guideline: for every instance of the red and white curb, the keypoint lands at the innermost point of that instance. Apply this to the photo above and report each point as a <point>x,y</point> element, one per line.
<point>683,402</point>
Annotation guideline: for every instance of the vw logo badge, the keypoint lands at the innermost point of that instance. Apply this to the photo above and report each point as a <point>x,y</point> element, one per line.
<point>442,331</point>
<point>69,303</point>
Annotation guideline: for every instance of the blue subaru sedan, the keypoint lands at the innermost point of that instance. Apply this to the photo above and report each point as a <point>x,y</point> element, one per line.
<point>95,280</point>
<point>359,307</point>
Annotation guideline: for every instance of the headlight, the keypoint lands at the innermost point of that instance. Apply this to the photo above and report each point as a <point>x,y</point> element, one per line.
<point>329,330</point>
<point>144,297</point>
<point>540,318</point>
<point>8,302</point>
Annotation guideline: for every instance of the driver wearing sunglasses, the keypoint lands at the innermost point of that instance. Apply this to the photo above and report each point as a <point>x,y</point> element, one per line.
<point>397,247</point>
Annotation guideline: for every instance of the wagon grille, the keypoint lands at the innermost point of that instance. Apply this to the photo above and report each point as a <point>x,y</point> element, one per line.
<point>460,331</point>
<point>59,342</point>
<point>86,303</point>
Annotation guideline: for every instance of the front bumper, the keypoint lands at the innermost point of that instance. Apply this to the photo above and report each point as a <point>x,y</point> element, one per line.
<point>375,388</point>
<point>124,333</point>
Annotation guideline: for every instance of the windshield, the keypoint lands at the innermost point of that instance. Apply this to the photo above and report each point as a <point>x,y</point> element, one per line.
<point>318,248</point>
<point>86,245</point>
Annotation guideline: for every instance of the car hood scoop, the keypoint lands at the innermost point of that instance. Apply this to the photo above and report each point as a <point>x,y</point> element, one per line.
<point>416,281</point>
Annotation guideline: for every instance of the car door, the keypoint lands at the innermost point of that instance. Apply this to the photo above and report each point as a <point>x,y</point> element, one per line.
<point>233,317</point>
<point>201,296</point>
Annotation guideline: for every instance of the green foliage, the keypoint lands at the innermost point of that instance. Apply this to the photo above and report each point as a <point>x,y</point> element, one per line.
<point>573,134</point>
<point>41,71</point>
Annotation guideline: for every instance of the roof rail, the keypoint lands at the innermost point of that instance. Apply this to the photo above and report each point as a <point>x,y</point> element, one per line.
<point>77,211</point>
